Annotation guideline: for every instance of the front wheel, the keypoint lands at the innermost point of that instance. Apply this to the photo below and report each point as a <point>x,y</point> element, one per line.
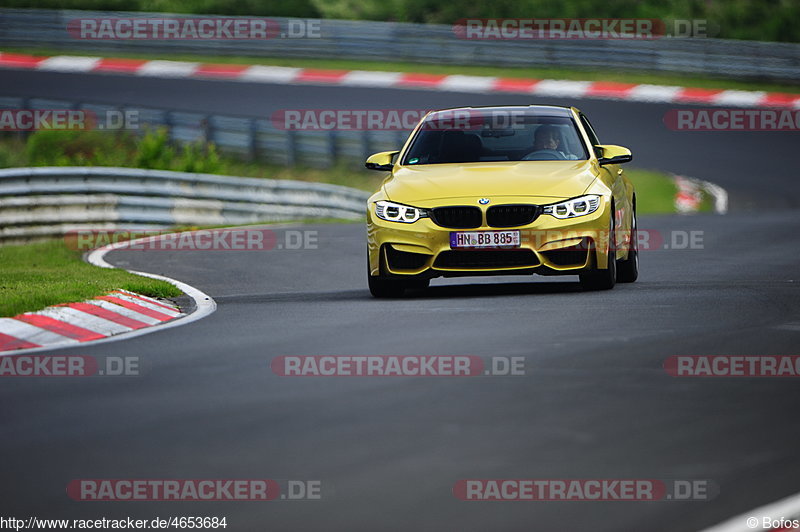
<point>598,279</point>
<point>628,269</point>
<point>384,288</point>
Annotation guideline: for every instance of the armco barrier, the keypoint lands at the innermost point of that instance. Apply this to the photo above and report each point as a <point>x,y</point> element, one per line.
<point>255,139</point>
<point>429,43</point>
<point>49,201</point>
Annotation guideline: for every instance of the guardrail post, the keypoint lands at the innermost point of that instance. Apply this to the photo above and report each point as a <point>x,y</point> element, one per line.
<point>168,125</point>
<point>26,104</point>
<point>291,148</point>
<point>207,126</point>
<point>332,148</point>
<point>252,139</point>
<point>365,145</point>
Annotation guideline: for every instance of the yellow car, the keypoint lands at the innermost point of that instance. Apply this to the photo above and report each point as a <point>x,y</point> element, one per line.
<point>501,190</point>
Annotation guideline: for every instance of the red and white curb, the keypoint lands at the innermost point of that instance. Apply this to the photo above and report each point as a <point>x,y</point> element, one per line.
<point>72,323</point>
<point>116,316</point>
<point>403,80</point>
<point>690,192</point>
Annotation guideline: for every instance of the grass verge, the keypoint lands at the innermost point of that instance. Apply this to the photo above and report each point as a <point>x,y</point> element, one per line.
<point>655,191</point>
<point>34,276</point>
<point>607,74</point>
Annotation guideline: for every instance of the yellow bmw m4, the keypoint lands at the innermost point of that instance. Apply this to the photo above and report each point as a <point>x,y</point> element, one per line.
<point>501,190</point>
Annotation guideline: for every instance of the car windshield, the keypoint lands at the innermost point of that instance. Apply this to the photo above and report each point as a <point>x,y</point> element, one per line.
<point>482,135</point>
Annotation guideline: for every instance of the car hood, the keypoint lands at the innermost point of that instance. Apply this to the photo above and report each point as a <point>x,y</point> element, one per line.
<point>545,179</point>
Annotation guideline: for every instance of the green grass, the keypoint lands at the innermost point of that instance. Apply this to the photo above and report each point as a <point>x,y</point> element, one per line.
<point>34,276</point>
<point>706,202</point>
<point>607,74</point>
<point>655,191</point>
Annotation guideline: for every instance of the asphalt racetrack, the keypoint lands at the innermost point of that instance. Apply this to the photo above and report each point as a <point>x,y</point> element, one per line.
<point>595,401</point>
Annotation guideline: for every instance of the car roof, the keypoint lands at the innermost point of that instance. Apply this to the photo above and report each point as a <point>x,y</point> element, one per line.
<point>541,110</point>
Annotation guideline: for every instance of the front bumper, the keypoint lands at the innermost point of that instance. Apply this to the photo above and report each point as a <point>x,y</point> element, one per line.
<point>548,246</point>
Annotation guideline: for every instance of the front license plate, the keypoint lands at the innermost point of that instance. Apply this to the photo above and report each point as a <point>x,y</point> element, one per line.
<point>484,239</point>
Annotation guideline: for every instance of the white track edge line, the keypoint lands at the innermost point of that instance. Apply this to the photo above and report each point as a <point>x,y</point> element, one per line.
<point>719,194</point>
<point>204,304</point>
<point>788,507</point>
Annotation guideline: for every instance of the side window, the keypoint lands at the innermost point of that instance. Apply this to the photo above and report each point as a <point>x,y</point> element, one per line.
<point>589,131</point>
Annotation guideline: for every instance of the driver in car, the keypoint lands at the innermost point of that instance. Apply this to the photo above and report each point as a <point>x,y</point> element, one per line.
<point>546,141</point>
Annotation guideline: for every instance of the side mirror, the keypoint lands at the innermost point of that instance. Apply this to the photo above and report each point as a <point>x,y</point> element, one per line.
<point>611,154</point>
<point>381,161</point>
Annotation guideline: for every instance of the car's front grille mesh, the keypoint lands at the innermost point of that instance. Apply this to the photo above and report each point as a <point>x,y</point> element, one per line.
<point>511,215</point>
<point>486,259</point>
<point>457,217</point>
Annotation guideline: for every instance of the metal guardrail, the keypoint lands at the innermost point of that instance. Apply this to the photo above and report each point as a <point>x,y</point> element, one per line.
<point>50,201</point>
<point>429,43</point>
<point>255,139</point>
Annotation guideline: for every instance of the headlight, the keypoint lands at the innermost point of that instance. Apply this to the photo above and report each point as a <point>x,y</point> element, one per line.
<point>395,212</point>
<point>573,208</point>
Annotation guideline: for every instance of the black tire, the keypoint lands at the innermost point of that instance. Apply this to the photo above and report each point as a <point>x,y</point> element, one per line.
<point>385,288</point>
<point>605,279</point>
<point>628,269</point>
<point>381,287</point>
<point>416,284</point>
